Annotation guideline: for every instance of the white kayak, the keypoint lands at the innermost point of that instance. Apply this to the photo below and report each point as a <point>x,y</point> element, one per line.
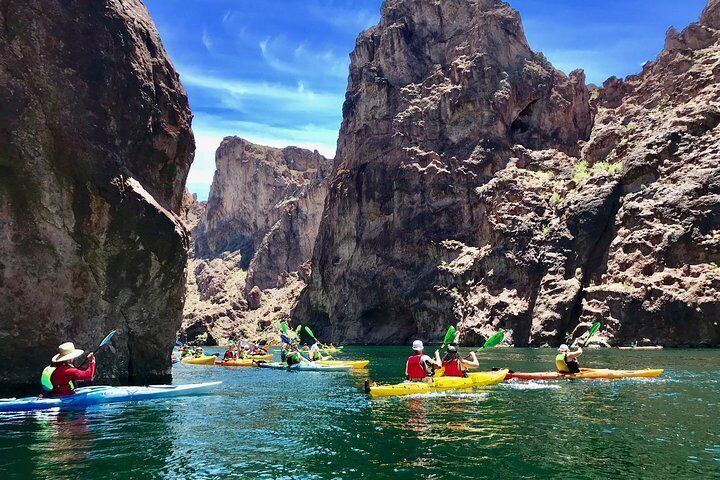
<point>306,367</point>
<point>85,396</point>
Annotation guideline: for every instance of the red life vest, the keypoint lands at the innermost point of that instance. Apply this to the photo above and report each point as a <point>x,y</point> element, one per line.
<point>415,369</point>
<point>452,368</point>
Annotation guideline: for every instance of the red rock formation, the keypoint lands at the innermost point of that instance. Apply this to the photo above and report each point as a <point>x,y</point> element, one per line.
<point>258,228</point>
<point>95,146</point>
<point>464,191</point>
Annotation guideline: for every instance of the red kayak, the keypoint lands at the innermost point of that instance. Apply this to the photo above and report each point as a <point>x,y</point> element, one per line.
<point>586,373</point>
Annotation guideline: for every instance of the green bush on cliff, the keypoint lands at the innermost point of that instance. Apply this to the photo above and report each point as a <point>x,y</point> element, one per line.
<point>584,172</point>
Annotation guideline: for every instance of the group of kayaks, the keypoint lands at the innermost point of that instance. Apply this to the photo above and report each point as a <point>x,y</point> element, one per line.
<point>264,361</point>
<point>94,395</point>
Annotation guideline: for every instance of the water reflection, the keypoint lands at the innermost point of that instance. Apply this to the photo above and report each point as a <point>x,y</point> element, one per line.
<point>62,441</point>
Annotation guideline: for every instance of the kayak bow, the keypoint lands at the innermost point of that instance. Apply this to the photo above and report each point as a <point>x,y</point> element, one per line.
<point>204,360</point>
<point>354,364</point>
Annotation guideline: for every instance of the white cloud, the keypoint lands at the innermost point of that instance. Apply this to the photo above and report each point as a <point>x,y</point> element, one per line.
<point>206,40</point>
<point>303,61</point>
<point>293,98</point>
<point>344,18</point>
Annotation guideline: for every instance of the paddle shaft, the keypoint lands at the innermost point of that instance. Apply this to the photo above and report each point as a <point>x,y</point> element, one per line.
<point>104,342</point>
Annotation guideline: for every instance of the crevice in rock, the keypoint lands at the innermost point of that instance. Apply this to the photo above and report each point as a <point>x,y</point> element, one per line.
<point>595,264</point>
<point>522,122</point>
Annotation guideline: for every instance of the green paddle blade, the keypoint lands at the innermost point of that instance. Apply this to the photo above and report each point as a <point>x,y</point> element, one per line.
<point>284,327</point>
<point>450,336</point>
<point>310,332</point>
<point>593,330</point>
<point>298,330</point>
<point>494,340</point>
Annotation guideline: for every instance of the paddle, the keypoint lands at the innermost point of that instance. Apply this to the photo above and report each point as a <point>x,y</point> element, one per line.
<point>104,342</point>
<point>450,337</point>
<point>284,327</point>
<point>492,341</point>
<point>312,335</point>
<point>593,330</point>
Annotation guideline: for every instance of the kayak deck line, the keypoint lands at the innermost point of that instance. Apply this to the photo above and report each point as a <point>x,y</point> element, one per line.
<point>587,374</point>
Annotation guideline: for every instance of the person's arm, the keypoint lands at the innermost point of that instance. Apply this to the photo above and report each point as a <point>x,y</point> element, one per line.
<point>406,368</point>
<point>473,362</point>
<point>84,375</point>
<point>434,361</point>
<point>573,355</point>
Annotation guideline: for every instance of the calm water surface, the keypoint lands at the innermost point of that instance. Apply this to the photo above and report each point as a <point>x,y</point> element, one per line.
<point>276,424</point>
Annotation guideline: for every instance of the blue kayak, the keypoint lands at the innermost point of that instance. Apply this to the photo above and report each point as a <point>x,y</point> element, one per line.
<point>306,367</point>
<point>86,396</point>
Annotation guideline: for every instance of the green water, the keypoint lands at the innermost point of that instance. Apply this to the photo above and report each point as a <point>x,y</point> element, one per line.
<point>277,424</point>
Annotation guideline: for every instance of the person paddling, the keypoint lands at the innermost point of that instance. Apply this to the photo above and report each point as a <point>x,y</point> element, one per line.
<point>419,366</point>
<point>455,366</point>
<point>293,356</point>
<point>58,379</point>
<point>566,361</point>
<point>315,353</point>
<point>230,353</point>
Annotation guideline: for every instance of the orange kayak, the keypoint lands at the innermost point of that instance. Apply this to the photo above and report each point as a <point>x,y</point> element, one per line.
<point>586,373</point>
<point>651,347</point>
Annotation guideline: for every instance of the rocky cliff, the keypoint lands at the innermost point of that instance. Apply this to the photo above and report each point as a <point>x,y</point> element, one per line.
<point>95,146</point>
<point>257,230</point>
<point>477,185</point>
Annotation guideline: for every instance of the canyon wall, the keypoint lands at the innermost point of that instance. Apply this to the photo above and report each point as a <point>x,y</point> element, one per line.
<point>254,237</point>
<point>476,185</point>
<point>95,146</point>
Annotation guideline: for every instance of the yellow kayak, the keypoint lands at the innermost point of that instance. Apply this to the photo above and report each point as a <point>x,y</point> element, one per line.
<point>477,379</point>
<point>245,362</point>
<point>354,364</point>
<point>204,360</point>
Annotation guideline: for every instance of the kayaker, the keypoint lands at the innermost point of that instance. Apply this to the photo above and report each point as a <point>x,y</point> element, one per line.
<point>60,376</point>
<point>293,356</point>
<point>566,361</point>
<point>419,366</point>
<point>230,353</point>
<point>315,353</point>
<point>199,353</point>
<point>455,366</point>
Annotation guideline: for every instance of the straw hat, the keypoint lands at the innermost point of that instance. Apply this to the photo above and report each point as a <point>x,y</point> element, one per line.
<point>67,352</point>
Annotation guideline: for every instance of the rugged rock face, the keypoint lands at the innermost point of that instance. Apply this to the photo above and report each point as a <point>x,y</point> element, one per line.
<point>95,146</point>
<point>258,229</point>
<point>473,185</point>
<point>658,276</point>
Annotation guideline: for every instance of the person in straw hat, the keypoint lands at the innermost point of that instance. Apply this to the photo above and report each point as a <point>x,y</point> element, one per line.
<point>59,378</point>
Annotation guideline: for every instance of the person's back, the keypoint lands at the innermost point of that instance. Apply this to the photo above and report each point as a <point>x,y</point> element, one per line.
<point>60,378</point>
<point>566,361</point>
<point>454,366</point>
<point>417,365</point>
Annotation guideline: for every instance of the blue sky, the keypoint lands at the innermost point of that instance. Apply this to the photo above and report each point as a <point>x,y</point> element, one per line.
<point>275,71</point>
